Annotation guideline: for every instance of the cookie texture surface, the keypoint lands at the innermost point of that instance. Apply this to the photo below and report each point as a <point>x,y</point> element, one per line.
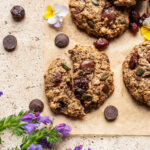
<point>127,3</point>
<point>92,77</point>
<point>136,73</point>
<point>58,89</point>
<point>99,17</point>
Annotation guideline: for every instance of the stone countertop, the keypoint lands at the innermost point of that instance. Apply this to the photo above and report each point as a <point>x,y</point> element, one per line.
<point>21,77</point>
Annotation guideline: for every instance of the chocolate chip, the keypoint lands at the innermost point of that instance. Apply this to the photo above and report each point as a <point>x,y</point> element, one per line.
<point>36,105</point>
<point>18,13</point>
<point>109,14</point>
<point>110,113</point>
<point>87,65</point>
<point>61,40</point>
<point>10,43</point>
<point>133,61</point>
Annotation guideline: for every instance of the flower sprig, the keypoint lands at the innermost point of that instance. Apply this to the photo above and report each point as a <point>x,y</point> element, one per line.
<point>35,137</point>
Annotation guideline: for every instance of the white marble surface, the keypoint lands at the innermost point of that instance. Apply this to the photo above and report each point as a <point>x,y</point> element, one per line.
<point>21,77</point>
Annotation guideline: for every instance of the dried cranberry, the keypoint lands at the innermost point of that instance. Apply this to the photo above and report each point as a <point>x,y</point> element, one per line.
<point>148,58</point>
<point>133,61</point>
<point>87,65</point>
<point>81,83</point>
<point>108,13</point>
<point>105,89</point>
<point>134,16</point>
<point>134,28</point>
<point>142,18</point>
<point>18,13</point>
<point>57,77</point>
<point>101,43</point>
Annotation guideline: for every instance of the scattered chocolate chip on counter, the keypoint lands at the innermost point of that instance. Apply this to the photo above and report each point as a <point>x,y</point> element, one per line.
<point>18,13</point>
<point>10,43</point>
<point>110,113</point>
<point>61,40</point>
<point>36,105</point>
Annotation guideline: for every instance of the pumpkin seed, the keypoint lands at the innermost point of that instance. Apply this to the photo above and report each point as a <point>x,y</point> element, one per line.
<point>90,23</point>
<point>140,71</point>
<point>87,97</point>
<point>104,76</point>
<point>122,21</point>
<point>65,67</point>
<point>95,2</point>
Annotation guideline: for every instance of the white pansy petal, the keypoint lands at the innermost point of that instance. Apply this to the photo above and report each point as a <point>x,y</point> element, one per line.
<point>52,20</point>
<point>146,23</point>
<point>61,10</point>
<point>58,25</point>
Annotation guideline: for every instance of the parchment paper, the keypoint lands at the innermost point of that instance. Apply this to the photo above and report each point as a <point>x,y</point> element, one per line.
<point>133,119</point>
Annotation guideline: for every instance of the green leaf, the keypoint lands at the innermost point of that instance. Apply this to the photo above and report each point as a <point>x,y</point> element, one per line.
<point>18,131</point>
<point>0,140</point>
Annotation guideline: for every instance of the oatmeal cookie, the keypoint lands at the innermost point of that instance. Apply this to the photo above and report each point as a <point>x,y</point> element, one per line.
<point>99,17</point>
<point>92,77</point>
<point>58,89</point>
<point>127,3</point>
<point>136,73</point>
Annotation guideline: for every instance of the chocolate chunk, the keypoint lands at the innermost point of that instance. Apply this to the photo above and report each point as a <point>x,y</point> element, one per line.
<point>110,113</point>
<point>18,13</point>
<point>10,43</point>
<point>36,105</point>
<point>61,40</point>
<point>87,65</point>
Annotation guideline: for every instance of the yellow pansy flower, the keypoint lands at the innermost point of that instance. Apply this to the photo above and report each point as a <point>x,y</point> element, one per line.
<point>55,14</point>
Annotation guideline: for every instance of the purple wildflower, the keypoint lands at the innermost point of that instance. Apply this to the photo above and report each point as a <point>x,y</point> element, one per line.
<point>78,147</point>
<point>28,117</point>
<point>44,143</point>
<point>30,127</point>
<point>35,147</point>
<point>45,119</point>
<point>1,93</point>
<point>89,149</point>
<point>37,114</point>
<point>63,129</point>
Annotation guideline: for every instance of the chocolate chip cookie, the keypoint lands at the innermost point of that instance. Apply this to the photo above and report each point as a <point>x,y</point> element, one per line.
<point>92,77</point>
<point>136,73</point>
<point>58,89</point>
<point>99,17</point>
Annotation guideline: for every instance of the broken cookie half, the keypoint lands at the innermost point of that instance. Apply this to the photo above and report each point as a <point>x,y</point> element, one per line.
<point>85,88</point>
<point>58,89</point>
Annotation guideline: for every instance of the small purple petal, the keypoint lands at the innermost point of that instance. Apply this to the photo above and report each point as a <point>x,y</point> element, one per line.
<point>30,127</point>
<point>78,147</point>
<point>63,129</point>
<point>35,147</point>
<point>1,93</point>
<point>44,143</point>
<point>89,149</point>
<point>37,114</point>
<point>44,119</point>
<point>28,117</point>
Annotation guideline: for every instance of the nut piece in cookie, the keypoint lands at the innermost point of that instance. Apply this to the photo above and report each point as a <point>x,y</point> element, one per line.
<point>92,77</point>
<point>99,17</point>
<point>136,73</point>
<point>58,89</point>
